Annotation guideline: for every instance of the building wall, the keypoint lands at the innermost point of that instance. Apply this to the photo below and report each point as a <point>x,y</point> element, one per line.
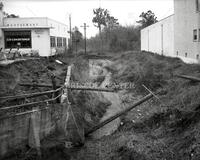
<point>58,30</point>
<point>41,41</point>
<point>41,31</point>
<point>186,19</point>
<point>159,37</point>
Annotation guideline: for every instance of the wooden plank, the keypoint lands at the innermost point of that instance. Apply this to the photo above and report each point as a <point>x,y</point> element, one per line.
<point>34,132</point>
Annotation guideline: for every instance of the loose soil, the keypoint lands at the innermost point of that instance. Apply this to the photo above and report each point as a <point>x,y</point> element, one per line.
<point>166,128</point>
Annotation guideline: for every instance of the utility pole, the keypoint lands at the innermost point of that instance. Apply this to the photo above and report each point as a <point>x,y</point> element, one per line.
<point>70,32</point>
<point>85,27</point>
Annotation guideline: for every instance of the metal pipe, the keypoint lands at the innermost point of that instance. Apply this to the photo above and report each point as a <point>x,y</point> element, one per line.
<point>29,95</point>
<point>23,113</point>
<point>29,104</point>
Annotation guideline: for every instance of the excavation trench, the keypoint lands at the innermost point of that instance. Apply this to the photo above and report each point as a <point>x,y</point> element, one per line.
<point>89,107</point>
<point>97,68</point>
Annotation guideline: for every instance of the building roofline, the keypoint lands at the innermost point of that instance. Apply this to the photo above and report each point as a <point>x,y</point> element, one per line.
<point>47,18</point>
<point>57,21</point>
<point>165,18</point>
<point>36,27</point>
<point>159,21</point>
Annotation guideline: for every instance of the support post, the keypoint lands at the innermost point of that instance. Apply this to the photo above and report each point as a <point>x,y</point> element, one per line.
<point>34,132</point>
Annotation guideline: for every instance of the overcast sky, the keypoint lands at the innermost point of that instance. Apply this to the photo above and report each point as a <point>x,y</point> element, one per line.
<point>126,11</point>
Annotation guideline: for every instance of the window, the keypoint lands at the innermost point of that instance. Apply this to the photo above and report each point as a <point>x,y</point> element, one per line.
<point>185,54</point>
<point>199,34</point>
<point>64,42</point>
<point>53,41</point>
<point>15,38</point>
<point>197,5</point>
<point>195,35</point>
<point>59,42</point>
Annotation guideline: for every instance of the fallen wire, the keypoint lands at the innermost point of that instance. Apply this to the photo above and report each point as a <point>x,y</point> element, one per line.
<point>31,111</point>
<point>31,94</point>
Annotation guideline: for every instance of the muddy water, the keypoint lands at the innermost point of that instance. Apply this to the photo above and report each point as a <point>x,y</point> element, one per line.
<point>97,69</point>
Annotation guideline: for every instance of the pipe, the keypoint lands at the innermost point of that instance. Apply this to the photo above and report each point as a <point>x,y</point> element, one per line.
<point>30,104</point>
<point>195,79</point>
<point>29,95</point>
<point>72,88</point>
<point>147,97</point>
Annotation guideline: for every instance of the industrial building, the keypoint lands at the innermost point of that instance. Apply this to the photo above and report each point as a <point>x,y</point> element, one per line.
<point>177,35</point>
<point>33,34</point>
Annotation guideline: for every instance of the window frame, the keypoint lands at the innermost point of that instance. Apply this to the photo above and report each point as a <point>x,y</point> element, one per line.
<point>64,41</point>
<point>52,43</point>
<point>195,36</point>
<point>197,4</point>
<point>198,34</point>
<point>59,42</point>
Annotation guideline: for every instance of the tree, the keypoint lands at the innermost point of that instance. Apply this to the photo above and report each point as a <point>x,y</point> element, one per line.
<point>77,36</point>
<point>111,22</point>
<point>100,17</point>
<point>147,19</point>
<point>10,15</point>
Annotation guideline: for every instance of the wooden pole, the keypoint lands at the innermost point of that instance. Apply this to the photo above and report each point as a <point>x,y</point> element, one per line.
<point>195,79</point>
<point>71,87</point>
<point>144,99</point>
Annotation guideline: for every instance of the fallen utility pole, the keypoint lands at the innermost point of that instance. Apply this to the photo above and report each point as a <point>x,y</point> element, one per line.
<point>144,99</point>
<point>194,79</point>
<point>70,87</point>
<point>92,89</point>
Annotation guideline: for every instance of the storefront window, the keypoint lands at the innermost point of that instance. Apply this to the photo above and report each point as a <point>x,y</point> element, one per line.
<point>64,42</point>
<point>13,39</point>
<point>53,41</point>
<point>59,42</point>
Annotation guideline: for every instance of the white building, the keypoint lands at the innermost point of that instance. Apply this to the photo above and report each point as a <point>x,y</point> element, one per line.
<point>42,35</point>
<point>177,35</point>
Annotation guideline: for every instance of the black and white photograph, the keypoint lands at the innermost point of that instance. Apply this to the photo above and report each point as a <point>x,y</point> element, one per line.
<point>99,79</point>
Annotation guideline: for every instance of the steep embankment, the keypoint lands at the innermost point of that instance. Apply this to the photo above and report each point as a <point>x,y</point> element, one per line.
<point>163,128</point>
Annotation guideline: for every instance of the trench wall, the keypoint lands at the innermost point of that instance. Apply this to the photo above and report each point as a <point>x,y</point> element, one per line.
<point>16,132</point>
